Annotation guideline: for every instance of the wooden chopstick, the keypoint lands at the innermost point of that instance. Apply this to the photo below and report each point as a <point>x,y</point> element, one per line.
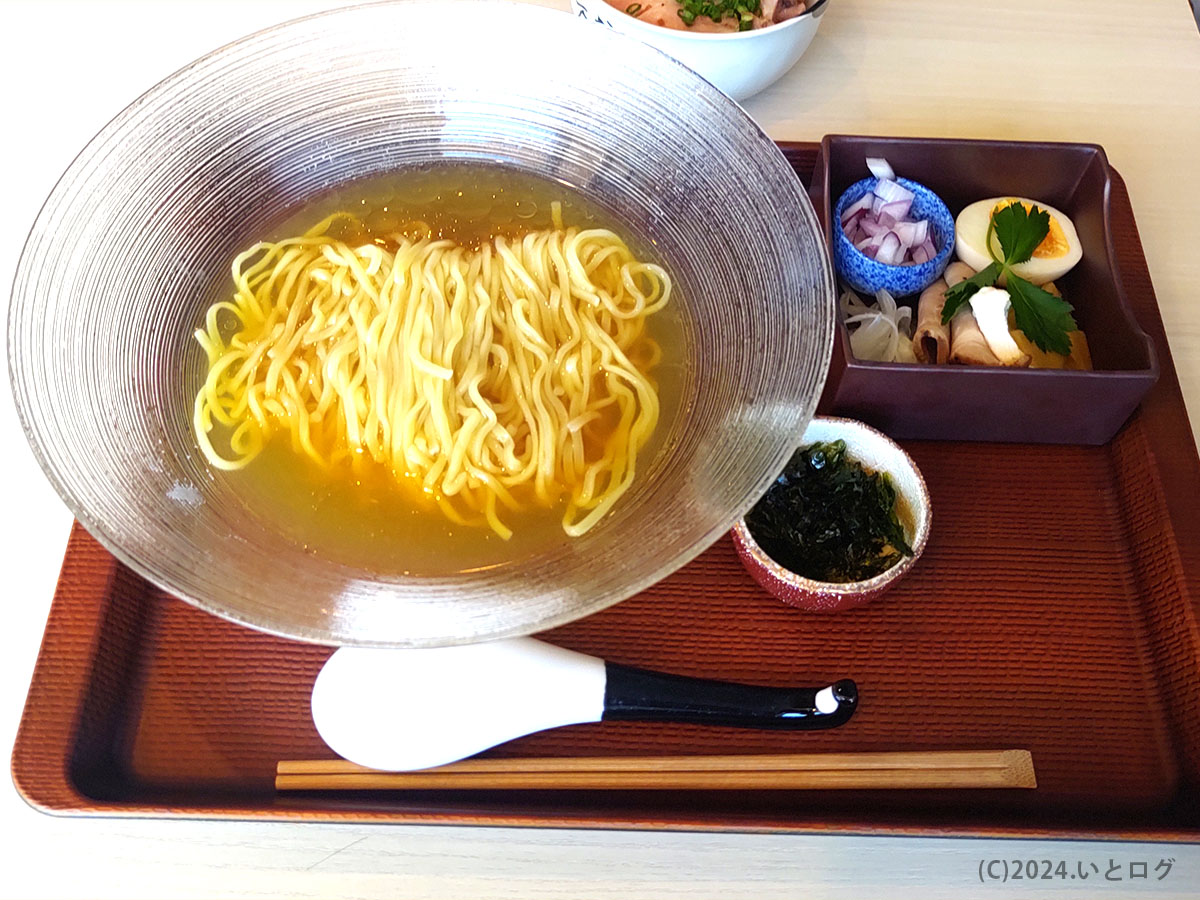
<point>803,771</point>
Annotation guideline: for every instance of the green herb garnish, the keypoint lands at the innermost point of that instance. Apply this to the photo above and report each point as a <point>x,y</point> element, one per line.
<point>742,10</point>
<point>828,518</point>
<point>635,9</point>
<point>1045,319</point>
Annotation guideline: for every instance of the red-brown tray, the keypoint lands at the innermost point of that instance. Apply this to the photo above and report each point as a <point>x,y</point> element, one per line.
<point>1055,609</point>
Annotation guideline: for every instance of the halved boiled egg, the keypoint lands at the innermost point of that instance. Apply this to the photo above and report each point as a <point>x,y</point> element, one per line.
<point>1056,255</point>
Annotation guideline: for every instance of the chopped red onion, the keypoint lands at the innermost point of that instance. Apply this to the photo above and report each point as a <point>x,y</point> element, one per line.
<point>856,209</point>
<point>880,222</point>
<point>889,251</point>
<point>897,209</point>
<point>891,191</point>
<point>911,233</point>
<point>880,168</point>
<point>873,227</point>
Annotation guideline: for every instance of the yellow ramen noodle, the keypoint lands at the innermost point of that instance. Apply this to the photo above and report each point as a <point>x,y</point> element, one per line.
<point>494,378</point>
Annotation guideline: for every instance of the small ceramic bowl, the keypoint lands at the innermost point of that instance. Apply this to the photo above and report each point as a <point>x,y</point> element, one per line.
<point>879,453</point>
<point>865,274</point>
<point>740,63</point>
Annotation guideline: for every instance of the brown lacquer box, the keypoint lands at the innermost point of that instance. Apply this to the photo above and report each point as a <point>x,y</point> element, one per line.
<point>1054,610</point>
<point>982,403</point>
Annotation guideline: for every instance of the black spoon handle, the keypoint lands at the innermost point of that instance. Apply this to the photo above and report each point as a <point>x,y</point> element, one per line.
<point>639,694</point>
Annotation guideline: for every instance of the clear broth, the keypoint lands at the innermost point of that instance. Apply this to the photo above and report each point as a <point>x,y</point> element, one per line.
<point>359,514</point>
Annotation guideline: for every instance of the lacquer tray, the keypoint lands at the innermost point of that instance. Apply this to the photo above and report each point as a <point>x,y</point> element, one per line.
<point>1055,609</point>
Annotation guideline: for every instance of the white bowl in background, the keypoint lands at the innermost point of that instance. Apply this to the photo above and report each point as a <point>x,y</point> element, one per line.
<point>740,63</point>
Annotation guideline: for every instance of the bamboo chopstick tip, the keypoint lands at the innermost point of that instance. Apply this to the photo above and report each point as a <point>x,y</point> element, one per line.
<point>1020,764</point>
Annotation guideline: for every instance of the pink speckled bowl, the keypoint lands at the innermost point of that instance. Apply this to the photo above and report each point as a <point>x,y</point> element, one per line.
<point>877,452</point>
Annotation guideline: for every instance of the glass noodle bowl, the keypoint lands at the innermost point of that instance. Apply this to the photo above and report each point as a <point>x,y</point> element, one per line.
<point>137,238</point>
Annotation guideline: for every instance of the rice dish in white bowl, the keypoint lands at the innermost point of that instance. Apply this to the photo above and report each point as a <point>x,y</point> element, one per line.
<point>740,63</point>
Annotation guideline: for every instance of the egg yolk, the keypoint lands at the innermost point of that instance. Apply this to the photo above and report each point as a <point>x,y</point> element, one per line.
<point>1053,245</point>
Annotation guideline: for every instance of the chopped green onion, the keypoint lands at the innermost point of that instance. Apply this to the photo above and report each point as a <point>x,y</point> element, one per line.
<point>741,10</point>
<point>634,9</point>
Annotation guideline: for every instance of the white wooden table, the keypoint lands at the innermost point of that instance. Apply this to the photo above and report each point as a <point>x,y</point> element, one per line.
<point>1120,73</point>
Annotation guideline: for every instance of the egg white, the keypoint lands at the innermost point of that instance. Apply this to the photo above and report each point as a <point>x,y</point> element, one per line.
<point>970,242</point>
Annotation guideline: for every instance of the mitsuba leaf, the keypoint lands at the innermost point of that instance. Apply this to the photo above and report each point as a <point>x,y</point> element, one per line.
<point>965,290</point>
<point>1020,232</point>
<point>1045,319</point>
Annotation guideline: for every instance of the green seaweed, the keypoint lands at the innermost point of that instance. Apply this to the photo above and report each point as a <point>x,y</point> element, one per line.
<point>828,518</point>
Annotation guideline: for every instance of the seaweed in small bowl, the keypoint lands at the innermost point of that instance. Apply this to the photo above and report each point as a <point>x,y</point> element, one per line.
<point>845,520</point>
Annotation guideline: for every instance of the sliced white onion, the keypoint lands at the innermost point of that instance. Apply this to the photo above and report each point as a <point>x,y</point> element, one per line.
<point>874,341</point>
<point>880,332</point>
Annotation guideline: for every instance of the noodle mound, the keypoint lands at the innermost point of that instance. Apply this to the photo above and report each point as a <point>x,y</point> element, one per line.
<point>489,378</point>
